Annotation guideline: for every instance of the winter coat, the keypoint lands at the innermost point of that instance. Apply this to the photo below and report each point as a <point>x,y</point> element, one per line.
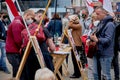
<point>76,33</point>
<point>32,29</point>
<point>106,37</point>
<point>55,26</point>
<point>14,39</point>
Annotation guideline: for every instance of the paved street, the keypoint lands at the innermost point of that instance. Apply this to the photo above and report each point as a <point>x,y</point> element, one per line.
<point>4,76</point>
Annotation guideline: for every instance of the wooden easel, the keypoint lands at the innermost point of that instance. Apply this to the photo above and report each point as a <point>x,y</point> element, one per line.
<point>68,34</point>
<point>32,42</point>
<point>38,51</point>
<point>58,60</point>
<point>64,65</point>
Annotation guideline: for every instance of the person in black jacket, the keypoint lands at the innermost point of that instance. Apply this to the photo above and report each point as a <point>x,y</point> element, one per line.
<point>115,61</point>
<point>3,64</point>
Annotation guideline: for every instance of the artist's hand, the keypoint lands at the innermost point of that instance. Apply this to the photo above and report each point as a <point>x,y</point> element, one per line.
<point>51,45</point>
<point>94,38</point>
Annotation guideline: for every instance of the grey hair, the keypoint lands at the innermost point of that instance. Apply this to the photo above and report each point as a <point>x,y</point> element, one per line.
<point>100,7</point>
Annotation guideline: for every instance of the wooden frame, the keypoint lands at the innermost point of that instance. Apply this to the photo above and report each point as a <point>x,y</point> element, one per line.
<point>68,34</point>
<point>58,60</point>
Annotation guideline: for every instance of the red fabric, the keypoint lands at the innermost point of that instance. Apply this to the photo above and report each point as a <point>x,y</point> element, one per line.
<point>32,28</point>
<point>14,39</point>
<point>12,10</point>
<point>84,38</point>
<point>12,7</point>
<point>90,4</point>
<point>91,26</point>
<point>92,50</point>
<point>101,1</point>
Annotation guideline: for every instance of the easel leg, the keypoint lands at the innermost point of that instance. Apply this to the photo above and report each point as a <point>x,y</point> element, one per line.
<point>25,56</point>
<point>59,74</point>
<point>65,69</point>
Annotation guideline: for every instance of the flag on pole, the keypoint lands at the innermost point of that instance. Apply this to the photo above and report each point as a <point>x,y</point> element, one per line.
<point>12,10</point>
<point>106,5</point>
<point>89,4</point>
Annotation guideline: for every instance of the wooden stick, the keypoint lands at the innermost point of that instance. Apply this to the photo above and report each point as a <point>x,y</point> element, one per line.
<point>25,56</point>
<point>76,55</point>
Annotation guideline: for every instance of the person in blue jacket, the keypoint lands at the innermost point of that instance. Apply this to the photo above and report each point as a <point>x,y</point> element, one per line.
<point>3,63</point>
<point>105,44</point>
<point>55,25</point>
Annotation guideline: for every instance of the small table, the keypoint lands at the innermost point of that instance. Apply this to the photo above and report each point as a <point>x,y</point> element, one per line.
<point>58,59</point>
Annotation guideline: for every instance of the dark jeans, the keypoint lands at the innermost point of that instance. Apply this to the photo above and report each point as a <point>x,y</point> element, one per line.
<point>116,66</point>
<point>3,64</point>
<point>105,63</point>
<point>14,59</point>
<point>75,65</point>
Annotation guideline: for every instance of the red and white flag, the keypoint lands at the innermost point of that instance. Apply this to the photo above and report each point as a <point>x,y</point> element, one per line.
<point>12,10</point>
<point>89,4</point>
<point>106,5</point>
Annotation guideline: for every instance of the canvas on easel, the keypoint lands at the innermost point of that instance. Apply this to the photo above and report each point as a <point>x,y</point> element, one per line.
<point>32,42</point>
<point>77,56</point>
<point>37,51</point>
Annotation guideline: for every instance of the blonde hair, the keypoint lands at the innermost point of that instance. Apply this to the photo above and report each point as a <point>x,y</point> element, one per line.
<point>44,74</point>
<point>94,16</point>
<point>29,12</point>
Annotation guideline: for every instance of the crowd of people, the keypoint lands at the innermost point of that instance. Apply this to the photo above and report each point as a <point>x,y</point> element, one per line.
<point>94,36</point>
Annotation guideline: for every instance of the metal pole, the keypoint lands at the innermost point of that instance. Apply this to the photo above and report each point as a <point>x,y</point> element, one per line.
<point>0,5</point>
<point>23,18</point>
<point>54,35</point>
<point>55,6</point>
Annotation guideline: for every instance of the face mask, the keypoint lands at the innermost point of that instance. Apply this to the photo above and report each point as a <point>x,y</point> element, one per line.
<point>29,21</point>
<point>83,16</point>
<point>96,23</point>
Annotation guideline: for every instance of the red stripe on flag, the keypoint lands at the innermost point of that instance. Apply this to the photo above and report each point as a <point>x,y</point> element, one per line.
<point>90,4</point>
<point>12,7</point>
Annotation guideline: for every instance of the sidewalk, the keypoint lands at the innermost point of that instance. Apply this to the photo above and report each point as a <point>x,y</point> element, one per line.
<point>4,76</point>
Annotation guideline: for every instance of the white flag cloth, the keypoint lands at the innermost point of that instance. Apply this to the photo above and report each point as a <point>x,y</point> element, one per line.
<point>107,5</point>
<point>89,4</point>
